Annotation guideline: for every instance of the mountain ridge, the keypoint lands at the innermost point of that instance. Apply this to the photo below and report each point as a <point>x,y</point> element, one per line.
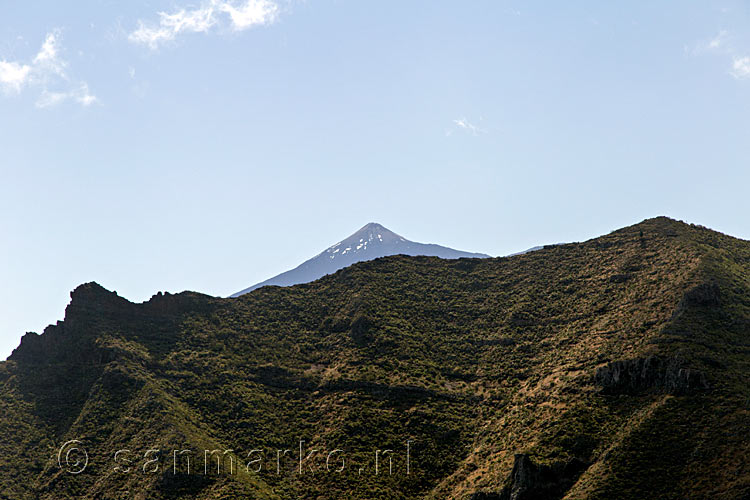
<point>611,368</point>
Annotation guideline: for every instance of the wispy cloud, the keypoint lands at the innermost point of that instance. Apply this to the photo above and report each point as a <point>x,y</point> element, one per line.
<point>237,15</point>
<point>718,44</point>
<point>47,70</point>
<point>466,125</point>
<point>718,41</point>
<point>722,44</point>
<point>741,67</point>
<point>81,95</point>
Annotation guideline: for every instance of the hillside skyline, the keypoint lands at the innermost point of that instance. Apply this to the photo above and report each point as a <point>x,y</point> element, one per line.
<point>210,144</point>
<point>366,227</point>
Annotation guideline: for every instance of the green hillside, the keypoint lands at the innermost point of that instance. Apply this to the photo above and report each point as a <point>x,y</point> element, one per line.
<point>616,368</point>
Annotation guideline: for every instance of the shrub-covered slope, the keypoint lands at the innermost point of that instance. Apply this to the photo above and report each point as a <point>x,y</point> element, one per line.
<point>613,368</point>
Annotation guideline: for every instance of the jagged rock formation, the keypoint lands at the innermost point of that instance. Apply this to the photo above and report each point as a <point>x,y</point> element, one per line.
<point>632,376</point>
<point>531,481</point>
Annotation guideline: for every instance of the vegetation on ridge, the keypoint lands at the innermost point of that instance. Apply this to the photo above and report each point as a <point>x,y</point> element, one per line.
<point>467,362</point>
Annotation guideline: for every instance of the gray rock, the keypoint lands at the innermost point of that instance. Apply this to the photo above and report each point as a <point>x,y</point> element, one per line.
<point>649,374</point>
<point>532,481</point>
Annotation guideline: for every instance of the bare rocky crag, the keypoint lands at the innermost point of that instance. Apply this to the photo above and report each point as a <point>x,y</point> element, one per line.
<point>652,373</point>
<point>531,481</point>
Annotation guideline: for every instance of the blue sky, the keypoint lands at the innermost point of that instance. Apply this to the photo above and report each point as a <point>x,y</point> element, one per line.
<point>208,145</point>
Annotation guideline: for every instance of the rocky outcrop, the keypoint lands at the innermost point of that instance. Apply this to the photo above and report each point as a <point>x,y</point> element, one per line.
<point>649,374</point>
<point>94,312</point>
<point>72,340</point>
<point>531,481</point>
<point>484,495</point>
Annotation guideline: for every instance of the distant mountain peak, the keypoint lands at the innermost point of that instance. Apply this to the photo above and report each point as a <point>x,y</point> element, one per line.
<point>372,234</point>
<point>373,226</point>
<point>371,241</point>
<point>376,230</point>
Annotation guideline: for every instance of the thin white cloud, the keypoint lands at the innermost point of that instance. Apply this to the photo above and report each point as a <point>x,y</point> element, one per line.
<point>170,25</point>
<point>722,44</point>
<point>238,16</point>
<point>717,42</point>
<point>741,67</point>
<point>81,95</point>
<point>48,99</point>
<point>48,53</point>
<point>251,13</point>
<point>47,69</point>
<point>466,125</point>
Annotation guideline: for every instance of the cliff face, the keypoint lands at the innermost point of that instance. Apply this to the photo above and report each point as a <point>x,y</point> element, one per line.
<point>649,374</point>
<point>613,368</point>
